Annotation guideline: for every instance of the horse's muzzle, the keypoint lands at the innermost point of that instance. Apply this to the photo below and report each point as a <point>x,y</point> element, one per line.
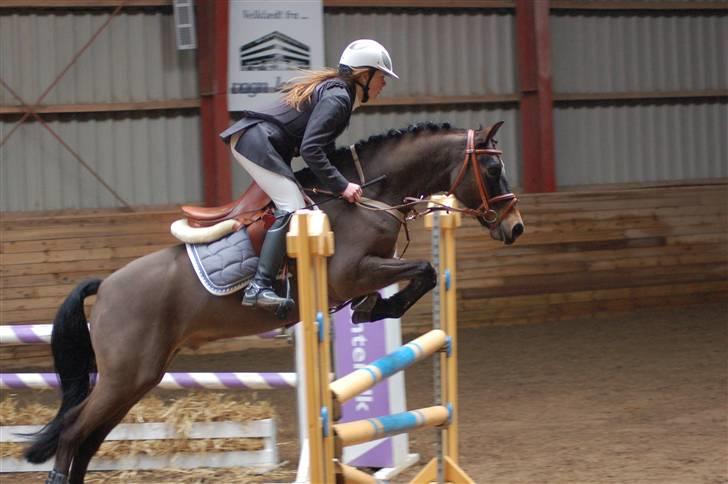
<point>516,231</point>
<point>507,233</point>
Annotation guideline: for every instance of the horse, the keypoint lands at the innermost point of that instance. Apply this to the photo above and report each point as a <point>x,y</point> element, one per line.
<point>148,310</point>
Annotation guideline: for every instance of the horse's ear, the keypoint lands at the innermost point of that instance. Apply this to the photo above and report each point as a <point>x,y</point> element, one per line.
<point>493,130</point>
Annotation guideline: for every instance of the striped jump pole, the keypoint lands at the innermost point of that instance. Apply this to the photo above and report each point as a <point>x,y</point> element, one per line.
<point>37,334</point>
<point>171,381</point>
<point>362,379</point>
<point>25,334</point>
<point>369,429</point>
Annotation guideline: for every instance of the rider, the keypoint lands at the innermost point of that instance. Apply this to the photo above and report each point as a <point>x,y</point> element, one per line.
<point>312,112</point>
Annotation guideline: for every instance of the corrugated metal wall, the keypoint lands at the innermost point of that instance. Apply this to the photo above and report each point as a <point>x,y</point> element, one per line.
<point>438,52</point>
<point>654,3</point>
<point>627,144</point>
<point>146,160</point>
<point>645,141</point>
<point>134,59</point>
<point>435,53</point>
<point>150,157</point>
<point>608,53</point>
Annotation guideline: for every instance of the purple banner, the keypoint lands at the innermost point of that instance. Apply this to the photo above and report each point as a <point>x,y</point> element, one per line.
<point>356,346</point>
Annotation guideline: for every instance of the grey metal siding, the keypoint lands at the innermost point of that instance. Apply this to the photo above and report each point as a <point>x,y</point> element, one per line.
<point>134,59</point>
<point>148,157</point>
<point>153,158</point>
<point>624,144</point>
<point>610,141</point>
<point>147,161</point>
<point>435,53</point>
<point>608,53</point>
<point>654,4</point>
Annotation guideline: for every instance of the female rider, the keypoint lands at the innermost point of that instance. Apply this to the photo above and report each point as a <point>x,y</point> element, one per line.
<point>312,112</point>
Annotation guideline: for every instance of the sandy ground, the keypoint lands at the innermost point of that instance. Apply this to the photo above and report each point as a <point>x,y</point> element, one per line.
<point>632,398</point>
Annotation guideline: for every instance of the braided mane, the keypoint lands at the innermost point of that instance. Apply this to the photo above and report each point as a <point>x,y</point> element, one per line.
<point>395,134</point>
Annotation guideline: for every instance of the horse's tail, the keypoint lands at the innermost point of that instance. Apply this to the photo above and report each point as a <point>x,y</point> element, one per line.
<point>74,359</point>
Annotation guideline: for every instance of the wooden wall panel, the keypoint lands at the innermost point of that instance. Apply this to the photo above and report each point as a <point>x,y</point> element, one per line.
<point>44,255</point>
<point>584,253</point>
<point>588,253</point>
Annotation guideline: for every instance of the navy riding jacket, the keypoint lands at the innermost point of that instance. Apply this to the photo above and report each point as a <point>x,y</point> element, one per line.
<point>276,133</point>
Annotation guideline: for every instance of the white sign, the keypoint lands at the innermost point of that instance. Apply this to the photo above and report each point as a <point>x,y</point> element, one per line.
<point>270,42</point>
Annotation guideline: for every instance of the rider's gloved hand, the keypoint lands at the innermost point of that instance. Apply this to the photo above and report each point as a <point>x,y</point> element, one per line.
<point>352,193</point>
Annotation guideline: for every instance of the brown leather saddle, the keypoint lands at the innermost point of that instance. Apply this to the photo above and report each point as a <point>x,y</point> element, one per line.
<point>253,210</point>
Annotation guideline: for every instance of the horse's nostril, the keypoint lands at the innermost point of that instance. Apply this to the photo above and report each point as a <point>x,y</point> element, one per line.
<point>517,230</point>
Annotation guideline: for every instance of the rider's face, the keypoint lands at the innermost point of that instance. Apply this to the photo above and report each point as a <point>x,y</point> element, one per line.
<point>377,84</point>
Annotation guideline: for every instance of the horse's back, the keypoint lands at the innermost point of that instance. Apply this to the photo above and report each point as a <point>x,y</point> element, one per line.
<point>144,277</point>
<point>159,296</point>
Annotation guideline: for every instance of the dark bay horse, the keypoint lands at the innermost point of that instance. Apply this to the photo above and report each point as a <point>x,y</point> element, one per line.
<point>149,309</point>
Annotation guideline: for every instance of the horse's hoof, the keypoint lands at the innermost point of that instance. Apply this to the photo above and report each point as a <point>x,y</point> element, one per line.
<point>362,309</point>
<point>284,309</point>
<point>358,318</point>
<point>55,477</point>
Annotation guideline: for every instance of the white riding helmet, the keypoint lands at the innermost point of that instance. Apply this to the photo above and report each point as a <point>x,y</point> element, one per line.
<point>368,53</point>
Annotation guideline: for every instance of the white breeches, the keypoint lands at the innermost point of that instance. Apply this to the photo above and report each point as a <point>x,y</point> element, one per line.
<point>286,194</point>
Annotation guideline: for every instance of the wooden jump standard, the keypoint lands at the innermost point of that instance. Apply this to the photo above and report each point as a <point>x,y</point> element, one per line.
<point>311,241</point>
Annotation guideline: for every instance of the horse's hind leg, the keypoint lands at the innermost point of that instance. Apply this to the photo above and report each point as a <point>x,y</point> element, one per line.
<point>105,407</point>
<point>88,448</point>
<point>111,411</point>
<point>91,444</point>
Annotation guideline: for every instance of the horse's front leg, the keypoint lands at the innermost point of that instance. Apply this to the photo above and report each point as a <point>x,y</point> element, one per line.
<point>376,273</point>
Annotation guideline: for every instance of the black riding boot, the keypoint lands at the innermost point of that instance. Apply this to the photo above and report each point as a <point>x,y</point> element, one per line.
<point>259,292</point>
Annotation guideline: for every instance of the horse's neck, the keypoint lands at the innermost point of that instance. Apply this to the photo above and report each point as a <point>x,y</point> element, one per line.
<point>414,167</point>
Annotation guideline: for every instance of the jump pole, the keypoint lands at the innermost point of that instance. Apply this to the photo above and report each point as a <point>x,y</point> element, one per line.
<point>170,381</point>
<point>358,381</point>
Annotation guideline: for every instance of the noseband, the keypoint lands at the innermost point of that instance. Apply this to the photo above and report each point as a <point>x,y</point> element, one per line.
<point>485,210</point>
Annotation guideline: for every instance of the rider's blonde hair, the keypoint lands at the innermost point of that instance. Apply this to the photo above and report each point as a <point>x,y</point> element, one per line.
<point>299,89</point>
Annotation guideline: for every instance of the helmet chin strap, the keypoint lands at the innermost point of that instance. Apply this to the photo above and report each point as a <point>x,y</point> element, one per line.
<point>347,71</point>
<point>365,87</point>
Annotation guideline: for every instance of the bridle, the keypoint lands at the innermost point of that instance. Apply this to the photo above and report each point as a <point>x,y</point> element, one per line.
<point>485,210</point>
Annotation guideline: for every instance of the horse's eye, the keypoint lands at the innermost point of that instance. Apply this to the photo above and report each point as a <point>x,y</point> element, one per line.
<point>493,171</point>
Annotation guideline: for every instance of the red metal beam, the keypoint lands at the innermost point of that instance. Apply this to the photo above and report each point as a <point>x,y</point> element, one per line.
<point>534,71</point>
<point>212,51</point>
